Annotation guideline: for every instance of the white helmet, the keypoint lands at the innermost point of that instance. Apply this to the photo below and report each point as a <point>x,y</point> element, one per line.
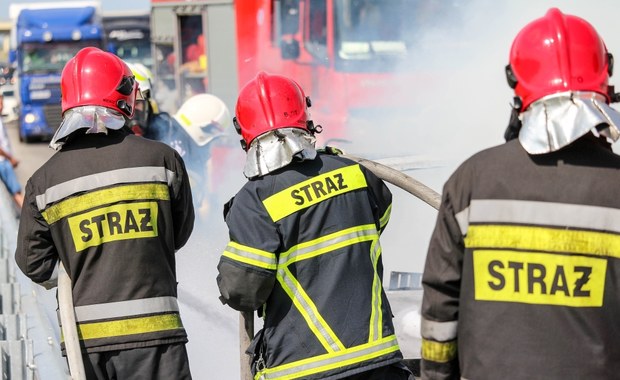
<point>203,116</point>
<point>144,76</point>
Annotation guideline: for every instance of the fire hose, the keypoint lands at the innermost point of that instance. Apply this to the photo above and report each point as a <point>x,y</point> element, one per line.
<point>386,173</point>
<point>69,326</point>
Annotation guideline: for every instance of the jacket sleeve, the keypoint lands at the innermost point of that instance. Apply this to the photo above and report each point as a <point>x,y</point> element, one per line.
<point>247,267</point>
<point>380,199</point>
<point>182,204</point>
<point>440,304</point>
<point>35,254</point>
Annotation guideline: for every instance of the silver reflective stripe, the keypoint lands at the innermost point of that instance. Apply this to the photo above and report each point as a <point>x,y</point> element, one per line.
<point>462,219</point>
<point>103,179</point>
<point>122,309</point>
<point>545,214</point>
<point>250,256</point>
<point>386,217</point>
<point>315,248</point>
<point>439,331</point>
<point>375,315</point>
<point>328,361</point>
<point>309,310</point>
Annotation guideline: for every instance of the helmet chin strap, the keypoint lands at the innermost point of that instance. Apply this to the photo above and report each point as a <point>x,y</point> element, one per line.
<point>514,124</point>
<point>614,97</point>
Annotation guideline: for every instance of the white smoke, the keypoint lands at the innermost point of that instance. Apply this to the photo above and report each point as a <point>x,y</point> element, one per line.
<point>460,105</point>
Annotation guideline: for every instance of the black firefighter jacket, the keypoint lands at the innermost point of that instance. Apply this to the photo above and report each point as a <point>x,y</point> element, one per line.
<point>114,208</point>
<point>522,278</point>
<point>304,244</point>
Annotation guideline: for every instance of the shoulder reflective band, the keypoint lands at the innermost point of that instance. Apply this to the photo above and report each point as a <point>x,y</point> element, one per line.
<point>328,243</point>
<point>544,239</point>
<point>549,214</point>
<point>250,256</point>
<point>143,174</point>
<point>326,362</point>
<point>539,278</point>
<point>314,190</point>
<point>440,352</point>
<point>98,198</point>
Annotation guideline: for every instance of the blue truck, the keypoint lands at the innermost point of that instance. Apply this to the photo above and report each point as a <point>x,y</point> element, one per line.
<point>44,37</point>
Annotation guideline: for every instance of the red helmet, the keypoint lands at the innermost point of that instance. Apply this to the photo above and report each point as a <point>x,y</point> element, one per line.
<point>558,53</point>
<point>270,102</point>
<point>98,78</point>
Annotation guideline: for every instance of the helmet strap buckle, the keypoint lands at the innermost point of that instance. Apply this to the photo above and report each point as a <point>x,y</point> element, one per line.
<point>123,106</point>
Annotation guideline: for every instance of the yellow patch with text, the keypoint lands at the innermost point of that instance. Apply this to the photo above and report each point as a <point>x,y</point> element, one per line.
<point>314,190</point>
<point>112,223</point>
<point>539,278</point>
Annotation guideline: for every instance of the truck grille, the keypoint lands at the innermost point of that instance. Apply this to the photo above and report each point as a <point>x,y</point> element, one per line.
<point>53,115</point>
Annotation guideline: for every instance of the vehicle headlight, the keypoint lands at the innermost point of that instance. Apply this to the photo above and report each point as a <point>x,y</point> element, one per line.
<point>30,118</point>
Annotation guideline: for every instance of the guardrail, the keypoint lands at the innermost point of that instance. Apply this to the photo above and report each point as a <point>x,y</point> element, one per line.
<point>28,341</point>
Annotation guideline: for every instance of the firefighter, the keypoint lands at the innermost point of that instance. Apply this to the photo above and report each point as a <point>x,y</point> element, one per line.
<point>304,247</point>
<point>520,281</point>
<point>199,121</point>
<point>199,125</point>
<point>146,107</point>
<point>113,208</point>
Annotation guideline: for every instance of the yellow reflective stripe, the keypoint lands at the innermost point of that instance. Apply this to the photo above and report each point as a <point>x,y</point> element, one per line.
<point>250,256</point>
<point>543,239</point>
<point>386,217</point>
<point>84,184</point>
<point>132,326</point>
<point>315,190</point>
<point>376,316</point>
<point>157,191</point>
<point>322,363</point>
<point>328,243</point>
<point>309,311</point>
<point>440,352</point>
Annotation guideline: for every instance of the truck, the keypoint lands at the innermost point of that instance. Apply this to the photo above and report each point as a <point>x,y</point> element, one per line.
<point>44,37</point>
<point>128,35</point>
<point>352,57</point>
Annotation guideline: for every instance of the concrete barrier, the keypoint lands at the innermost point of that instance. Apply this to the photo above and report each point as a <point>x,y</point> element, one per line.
<point>29,347</point>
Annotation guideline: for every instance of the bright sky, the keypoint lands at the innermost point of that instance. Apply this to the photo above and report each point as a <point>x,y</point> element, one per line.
<point>106,5</point>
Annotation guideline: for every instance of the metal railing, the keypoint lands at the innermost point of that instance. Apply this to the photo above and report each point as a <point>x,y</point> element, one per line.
<point>27,342</point>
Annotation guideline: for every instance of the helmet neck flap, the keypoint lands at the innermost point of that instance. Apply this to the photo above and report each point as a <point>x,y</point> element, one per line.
<point>276,149</point>
<point>557,120</point>
<point>95,119</point>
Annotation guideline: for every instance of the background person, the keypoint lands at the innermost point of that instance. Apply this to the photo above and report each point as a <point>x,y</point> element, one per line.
<point>114,208</point>
<point>521,276</point>
<point>201,120</point>
<point>8,163</point>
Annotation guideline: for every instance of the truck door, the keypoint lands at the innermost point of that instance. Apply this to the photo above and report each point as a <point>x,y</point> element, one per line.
<point>192,55</point>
